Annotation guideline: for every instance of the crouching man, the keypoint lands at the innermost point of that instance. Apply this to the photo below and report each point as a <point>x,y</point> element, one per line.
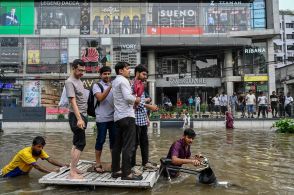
<point>26,159</point>
<point>180,153</point>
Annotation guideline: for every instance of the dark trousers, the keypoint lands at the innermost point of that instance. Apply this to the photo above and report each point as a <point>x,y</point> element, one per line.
<point>142,140</point>
<point>274,109</point>
<point>125,140</point>
<point>261,108</point>
<point>281,110</point>
<point>288,109</point>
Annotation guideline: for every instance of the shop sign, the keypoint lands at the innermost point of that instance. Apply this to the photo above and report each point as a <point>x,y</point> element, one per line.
<point>174,31</point>
<point>254,50</point>
<point>50,44</point>
<point>6,85</point>
<point>188,82</point>
<point>224,3</point>
<point>110,10</point>
<point>60,3</point>
<point>249,78</point>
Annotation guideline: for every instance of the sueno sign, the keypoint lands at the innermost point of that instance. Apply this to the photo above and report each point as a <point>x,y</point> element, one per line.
<point>177,13</point>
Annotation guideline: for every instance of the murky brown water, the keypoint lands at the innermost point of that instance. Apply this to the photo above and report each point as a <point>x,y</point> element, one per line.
<point>254,162</point>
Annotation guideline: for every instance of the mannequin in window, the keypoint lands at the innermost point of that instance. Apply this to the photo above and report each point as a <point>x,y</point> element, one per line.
<point>106,23</point>
<point>126,25</point>
<point>136,24</point>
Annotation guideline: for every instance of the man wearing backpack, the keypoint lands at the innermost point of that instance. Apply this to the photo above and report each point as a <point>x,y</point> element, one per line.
<point>104,114</point>
<point>77,116</point>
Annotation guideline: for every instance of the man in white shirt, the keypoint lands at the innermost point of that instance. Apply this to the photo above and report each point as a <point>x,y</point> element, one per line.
<point>250,101</point>
<point>216,103</point>
<point>124,118</point>
<point>262,104</point>
<point>288,104</point>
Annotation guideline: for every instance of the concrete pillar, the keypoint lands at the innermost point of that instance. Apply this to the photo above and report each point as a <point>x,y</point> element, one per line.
<point>151,72</point>
<point>229,72</point>
<point>285,88</point>
<point>189,62</point>
<point>271,67</point>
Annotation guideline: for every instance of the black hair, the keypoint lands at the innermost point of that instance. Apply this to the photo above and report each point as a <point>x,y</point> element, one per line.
<point>39,140</point>
<point>190,133</point>
<point>104,69</point>
<point>77,62</point>
<point>119,66</point>
<point>140,68</point>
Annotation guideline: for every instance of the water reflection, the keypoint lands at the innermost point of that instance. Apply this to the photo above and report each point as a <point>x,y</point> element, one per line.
<point>254,162</point>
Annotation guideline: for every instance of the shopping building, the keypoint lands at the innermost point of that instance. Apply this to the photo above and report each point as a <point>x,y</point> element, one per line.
<point>190,47</point>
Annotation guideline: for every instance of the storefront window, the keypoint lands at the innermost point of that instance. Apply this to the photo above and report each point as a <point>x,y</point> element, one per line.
<point>206,67</point>
<point>58,14</point>
<point>255,58</point>
<point>47,55</point>
<point>111,18</point>
<point>11,52</point>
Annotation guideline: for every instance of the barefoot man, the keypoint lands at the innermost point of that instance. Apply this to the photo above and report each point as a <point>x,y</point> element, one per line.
<point>77,115</point>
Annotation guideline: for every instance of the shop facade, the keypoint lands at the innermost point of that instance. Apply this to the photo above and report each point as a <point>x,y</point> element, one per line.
<point>189,47</point>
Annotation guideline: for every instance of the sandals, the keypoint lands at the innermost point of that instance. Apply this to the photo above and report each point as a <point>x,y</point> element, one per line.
<point>96,168</point>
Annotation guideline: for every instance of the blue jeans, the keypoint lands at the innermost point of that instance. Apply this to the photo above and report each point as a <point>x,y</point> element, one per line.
<point>101,134</point>
<point>250,108</point>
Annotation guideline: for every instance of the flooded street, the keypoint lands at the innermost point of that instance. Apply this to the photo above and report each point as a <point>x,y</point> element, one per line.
<point>253,162</point>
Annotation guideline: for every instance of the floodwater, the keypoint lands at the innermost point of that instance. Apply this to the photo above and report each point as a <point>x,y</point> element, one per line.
<point>253,162</point>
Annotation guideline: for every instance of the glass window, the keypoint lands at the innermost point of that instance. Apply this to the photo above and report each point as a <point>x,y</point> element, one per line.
<point>58,15</point>
<point>289,25</point>
<point>47,55</point>
<point>11,54</point>
<point>290,36</point>
<point>290,47</point>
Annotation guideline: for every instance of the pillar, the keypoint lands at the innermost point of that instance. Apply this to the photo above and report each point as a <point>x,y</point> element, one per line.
<point>229,72</point>
<point>271,67</point>
<point>151,72</point>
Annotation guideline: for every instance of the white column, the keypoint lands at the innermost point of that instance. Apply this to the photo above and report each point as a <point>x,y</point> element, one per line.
<point>271,67</point>
<point>229,72</point>
<point>151,72</point>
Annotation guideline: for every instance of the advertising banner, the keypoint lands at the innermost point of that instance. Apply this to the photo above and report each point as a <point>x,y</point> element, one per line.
<point>251,78</point>
<point>32,94</point>
<point>115,19</point>
<point>173,19</point>
<point>85,18</point>
<point>58,14</point>
<point>33,56</point>
<point>17,17</point>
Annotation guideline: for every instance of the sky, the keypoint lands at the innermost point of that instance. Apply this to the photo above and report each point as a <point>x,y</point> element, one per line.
<point>286,4</point>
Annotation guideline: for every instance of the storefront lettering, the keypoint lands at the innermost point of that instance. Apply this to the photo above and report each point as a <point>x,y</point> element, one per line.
<point>110,10</point>
<point>224,3</point>
<point>128,46</point>
<point>254,50</point>
<point>60,3</point>
<point>177,13</point>
<point>188,81</point>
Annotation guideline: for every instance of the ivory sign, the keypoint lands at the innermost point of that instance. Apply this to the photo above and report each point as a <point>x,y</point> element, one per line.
<point>188,82</point>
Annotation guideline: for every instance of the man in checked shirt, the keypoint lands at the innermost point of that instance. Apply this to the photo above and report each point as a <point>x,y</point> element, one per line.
<point>142,121</point>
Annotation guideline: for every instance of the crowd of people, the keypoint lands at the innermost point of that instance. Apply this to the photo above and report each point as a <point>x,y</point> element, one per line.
<point>244,105</point>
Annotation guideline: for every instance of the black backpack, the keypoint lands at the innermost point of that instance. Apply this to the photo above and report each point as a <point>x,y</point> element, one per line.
<point>92,101</point>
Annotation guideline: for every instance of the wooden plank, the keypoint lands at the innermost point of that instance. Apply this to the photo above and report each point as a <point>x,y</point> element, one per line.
<point>96,179</point>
